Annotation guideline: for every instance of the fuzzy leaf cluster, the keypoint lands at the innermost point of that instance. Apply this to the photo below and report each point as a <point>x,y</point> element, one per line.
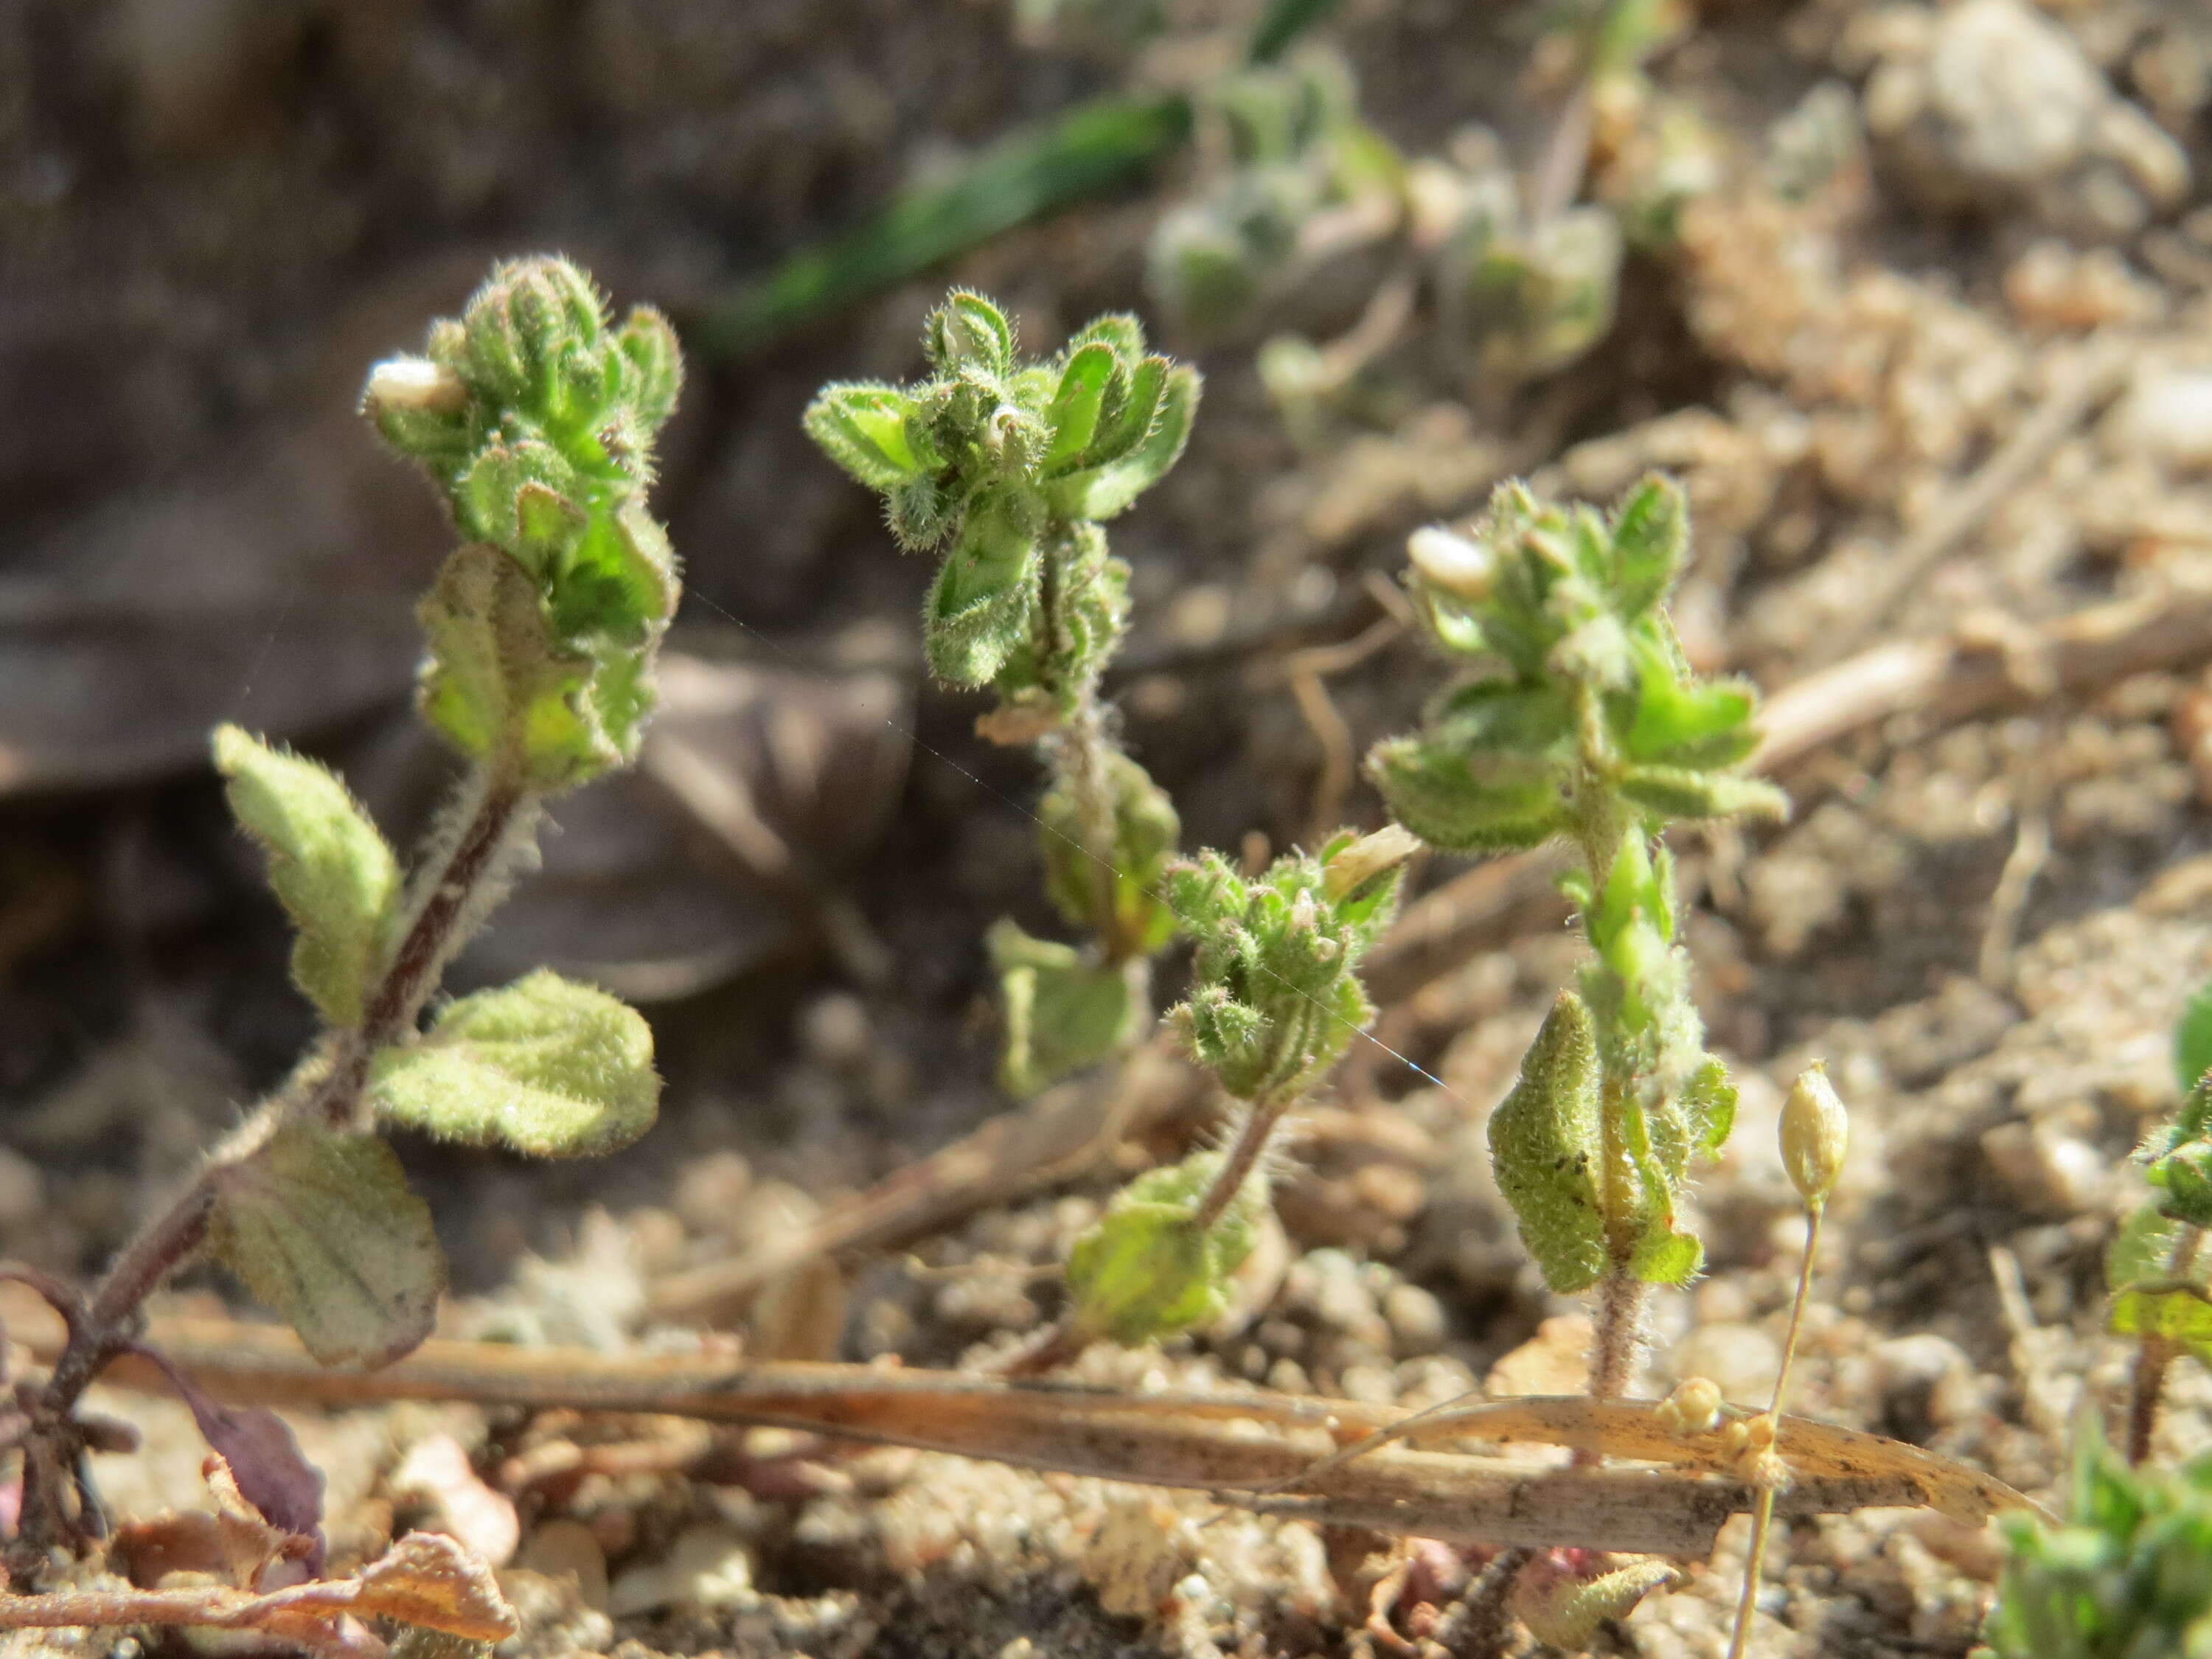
<point>1146,1270</point>
<point>1274,998</point>
<point>2129,1573</point>
<point>1009,467</point>
<point>1584,691</point>
<point>535,413</point>
<point>1293,147</point>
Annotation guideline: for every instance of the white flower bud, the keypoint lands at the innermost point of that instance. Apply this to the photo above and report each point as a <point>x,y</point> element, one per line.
<point>1368,857</point>
<point>415,384</point>
<point>1459,565</point>
<point>1816,1131</point>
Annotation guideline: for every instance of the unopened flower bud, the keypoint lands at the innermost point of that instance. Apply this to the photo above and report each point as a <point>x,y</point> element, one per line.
<point>415,384</point>
<point>1815,1132</point>
<point>1354,867</point>
<point>1459,565</point>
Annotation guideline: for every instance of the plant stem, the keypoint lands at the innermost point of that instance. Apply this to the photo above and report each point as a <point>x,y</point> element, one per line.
<point>2156,1355</point>
<point>1762,1517</point>
<point>1083,752</point>
<point>1617,1342</point>
<point>1244,1155</point>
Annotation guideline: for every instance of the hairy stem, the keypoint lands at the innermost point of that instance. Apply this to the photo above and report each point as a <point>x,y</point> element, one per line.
<point>2156,1355</point>
<point>1617,1342</point>
<point>1084,751</point>
<point>1244,1155</point>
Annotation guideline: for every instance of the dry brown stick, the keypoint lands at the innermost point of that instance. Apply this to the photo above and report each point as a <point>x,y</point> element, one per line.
<point>1194,1442</point>
<point>1974,671</point>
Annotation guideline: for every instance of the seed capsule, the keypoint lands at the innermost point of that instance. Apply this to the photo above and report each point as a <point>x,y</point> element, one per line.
<point>1816,1131</point>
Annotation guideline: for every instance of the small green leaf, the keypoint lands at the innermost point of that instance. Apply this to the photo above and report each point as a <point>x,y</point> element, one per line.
<point>1650,536</point>
<point>1063,1013</point>
<point>322,1228</point>
<point>2183,1179</point>
<point>1675,792</point>
<point>2178,1313</point>
<point>1111,489</point>
<point>1073,416</point>
<point>1564,1609</point>
<point>648,344</point>
<point>1546,1150</point>
<point>1709,1100</point>
<point>862,427</point>
<point>2142,1249</point>
<point>1433,790</point>
<point>495,675</point>
<point>331,868</point>
<point>1145,1272</point>
<point>544,1065</point>
<point>1682,722</point>
<point>1134,867</point>
<point>1665,1256</point>
<point>967,331</point>
<point>979,607</point>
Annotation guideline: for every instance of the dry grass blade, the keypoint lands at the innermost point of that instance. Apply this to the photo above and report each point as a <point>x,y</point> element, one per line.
<point>1270,1453</point>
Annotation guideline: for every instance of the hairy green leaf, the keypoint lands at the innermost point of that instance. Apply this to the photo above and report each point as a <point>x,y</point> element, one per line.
<point>1434,791</point>
<point>1677,792</point>
<point>1546,1149</point>
<point>332,869</point>
<point>544,1065</point>
<point>1063,1013</point>
<point>862,427</point>
<point>1144,1271</point>
<point>322,1228</point>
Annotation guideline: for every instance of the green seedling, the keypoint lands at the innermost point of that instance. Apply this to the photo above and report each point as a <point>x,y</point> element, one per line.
<point>2158,1270</point>
<point>1009,467</point>
<point>535,414</point>
<point>1274,1001</point>
<point>2128,1576</point>
<point>1290,153</point>
<point>1582,723</point>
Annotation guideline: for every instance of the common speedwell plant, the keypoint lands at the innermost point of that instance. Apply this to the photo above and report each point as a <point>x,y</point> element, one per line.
<point>1010,468</point>
<point>535,414</point>
<point>1581,722</point>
